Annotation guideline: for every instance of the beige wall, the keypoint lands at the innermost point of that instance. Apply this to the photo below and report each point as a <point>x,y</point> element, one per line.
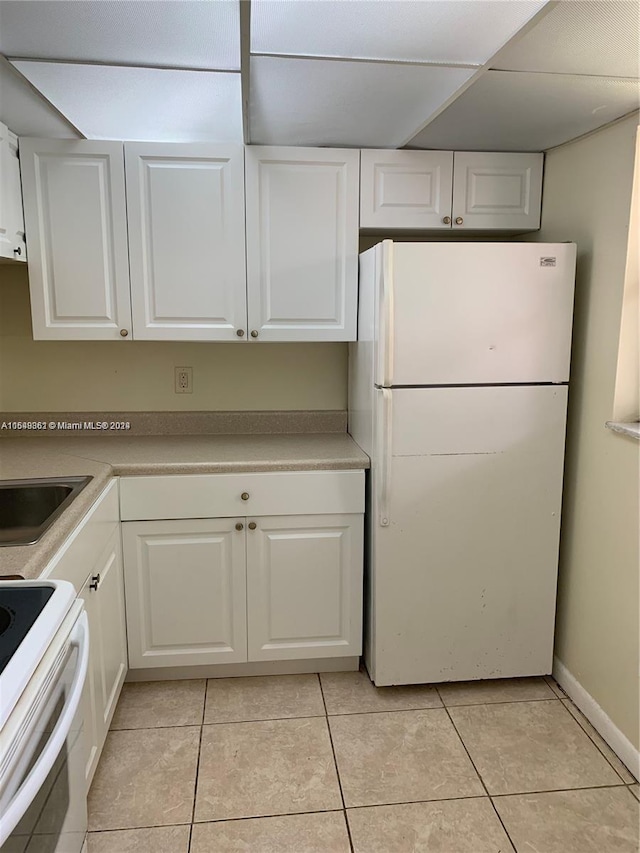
<point>139,376</point>
<point>586,198</point>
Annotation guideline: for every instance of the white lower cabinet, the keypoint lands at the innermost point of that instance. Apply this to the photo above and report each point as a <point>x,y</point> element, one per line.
<point>91,559</point>
<point>304,586</point>
<point>185,584</point>
<point>103,595</point>
<point>255,587</point>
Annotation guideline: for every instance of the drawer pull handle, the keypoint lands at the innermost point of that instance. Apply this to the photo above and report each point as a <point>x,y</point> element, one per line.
<point>245,496</point>
<point>95,582</point>
<point>239,526</point>
<point>252,525</point>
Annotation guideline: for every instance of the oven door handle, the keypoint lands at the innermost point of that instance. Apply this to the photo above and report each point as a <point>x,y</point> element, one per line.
<point>25,795</point>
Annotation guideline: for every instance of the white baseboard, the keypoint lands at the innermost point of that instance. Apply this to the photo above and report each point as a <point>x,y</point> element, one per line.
<point>236,670</point>
<point>619,742</point>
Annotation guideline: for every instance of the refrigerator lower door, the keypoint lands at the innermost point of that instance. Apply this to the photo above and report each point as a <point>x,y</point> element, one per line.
<point>464,532</point>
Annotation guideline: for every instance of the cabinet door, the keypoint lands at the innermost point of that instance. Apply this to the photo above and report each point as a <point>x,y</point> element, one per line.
<point>304,586</point>
<point>405,189</point>
<point>501,191</point>
<point>12,243</point>
<point>74,205</point>
<point>103,595</point>
<point>185,208</point>
<point>186,589</point>
<point>302,243</point>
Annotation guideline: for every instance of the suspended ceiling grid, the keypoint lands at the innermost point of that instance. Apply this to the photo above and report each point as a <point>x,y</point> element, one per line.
<point>518,75</point>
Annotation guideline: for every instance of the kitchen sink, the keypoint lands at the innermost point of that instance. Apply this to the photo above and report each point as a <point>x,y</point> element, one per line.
<point>29,507</point>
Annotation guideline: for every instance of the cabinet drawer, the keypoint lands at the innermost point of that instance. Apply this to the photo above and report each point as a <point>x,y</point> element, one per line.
<point>79,553</point>
<point>220,495</point>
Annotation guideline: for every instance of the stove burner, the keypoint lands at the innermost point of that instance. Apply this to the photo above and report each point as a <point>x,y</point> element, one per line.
<point>20,606</point>
<point>6,618</point>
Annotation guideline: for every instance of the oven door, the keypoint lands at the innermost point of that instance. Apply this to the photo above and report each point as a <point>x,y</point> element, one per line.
<point>43,790</point>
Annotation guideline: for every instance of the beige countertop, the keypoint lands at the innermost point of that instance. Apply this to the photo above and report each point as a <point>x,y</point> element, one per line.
<point>105,457</point>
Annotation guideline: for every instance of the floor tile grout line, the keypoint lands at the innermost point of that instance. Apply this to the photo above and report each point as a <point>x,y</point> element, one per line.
<point>158,728</point>
<point>339,714</point>
<point>595,743</point>
<point>484,796</point>
<point>557,790</point>
<point>554,684</point>
<point>482,782</point>
<point>195,787</point>
<point>134,828</point>
<point>439,707</point>
<point>264,816</point>
<point>335,763</point>
<point>501,702</point>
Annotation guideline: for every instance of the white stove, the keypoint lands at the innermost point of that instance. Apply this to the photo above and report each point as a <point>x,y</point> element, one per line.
<point>30,614</point>
<point>44,650</point>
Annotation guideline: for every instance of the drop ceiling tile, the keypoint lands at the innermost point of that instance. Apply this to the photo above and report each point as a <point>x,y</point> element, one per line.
<point>330,102</point>
<point>25,112</point>
<point>445,31</point>
<point>182,33</point>
<point>594,37</point>
<point>112,102</point>
<point>519,111</point>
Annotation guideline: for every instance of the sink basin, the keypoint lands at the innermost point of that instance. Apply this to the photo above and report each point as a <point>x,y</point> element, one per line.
<point>29,507</point>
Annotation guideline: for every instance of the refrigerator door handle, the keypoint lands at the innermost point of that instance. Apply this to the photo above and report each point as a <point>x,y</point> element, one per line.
<point>386,318</point>
<point>385,456</point>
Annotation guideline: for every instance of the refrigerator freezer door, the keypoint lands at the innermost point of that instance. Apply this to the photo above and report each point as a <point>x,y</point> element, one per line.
<point>463,577</point>
<point>475,313</point>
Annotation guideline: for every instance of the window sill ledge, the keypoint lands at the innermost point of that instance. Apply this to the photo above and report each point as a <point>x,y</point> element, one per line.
<point>632,429</point>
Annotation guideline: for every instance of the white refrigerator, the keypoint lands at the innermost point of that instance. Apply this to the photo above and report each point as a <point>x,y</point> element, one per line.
<point>458,393</point>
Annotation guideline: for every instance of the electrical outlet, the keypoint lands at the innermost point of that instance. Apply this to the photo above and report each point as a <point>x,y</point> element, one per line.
<point>184,380</point>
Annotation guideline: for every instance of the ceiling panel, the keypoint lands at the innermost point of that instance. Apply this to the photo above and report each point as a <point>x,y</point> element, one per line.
<point>182,33</point>
<point>329,102</point>
<point>447,31</point>
<point>25,112</point>
<point>505,111</point>
<point>109,102</point>
<point>599,38</point>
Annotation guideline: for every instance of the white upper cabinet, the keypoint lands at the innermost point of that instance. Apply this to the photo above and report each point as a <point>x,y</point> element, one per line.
<point>302,243</point>
<point>185,205</point>
<point>451,191</point>
<point>74,204</point>
<point>495,191</point>
<point>12,243</point>
<point>405,189</point>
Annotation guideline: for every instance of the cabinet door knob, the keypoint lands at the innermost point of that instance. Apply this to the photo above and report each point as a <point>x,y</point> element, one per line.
<point>240,333</point>
<point>446,220</point>
<point>239,526</point>
<point>17,251</point>
<point>124,333</point>
<point>95,581</point>
<point>245,496</point>
<point>252,525</point>
<point>254,333</point>
<point>459,220</point>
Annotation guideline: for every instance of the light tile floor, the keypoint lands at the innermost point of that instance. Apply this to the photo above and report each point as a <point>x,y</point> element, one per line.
<point>332,764</point>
